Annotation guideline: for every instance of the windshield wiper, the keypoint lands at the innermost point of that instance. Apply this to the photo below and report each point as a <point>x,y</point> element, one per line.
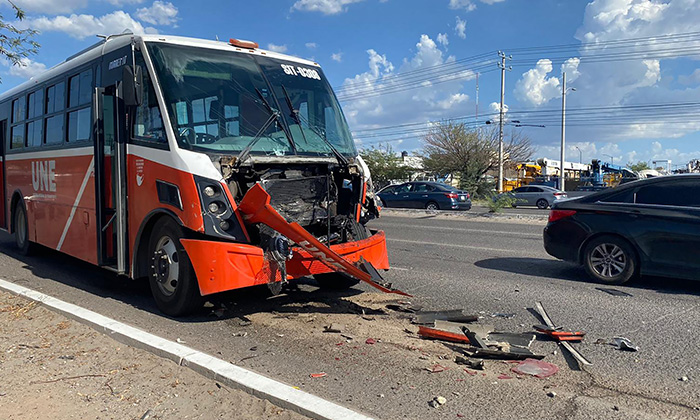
<point>274,116</point>
<point>295,112</point>
<point>341,159</point>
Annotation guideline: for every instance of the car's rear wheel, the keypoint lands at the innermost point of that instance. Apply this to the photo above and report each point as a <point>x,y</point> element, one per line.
<point>171,276</point>
<point>542,203</point>
<point>610,260</point>
<point>432,206</point>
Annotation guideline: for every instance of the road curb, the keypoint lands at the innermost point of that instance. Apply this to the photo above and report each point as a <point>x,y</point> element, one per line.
<point>278,393</point>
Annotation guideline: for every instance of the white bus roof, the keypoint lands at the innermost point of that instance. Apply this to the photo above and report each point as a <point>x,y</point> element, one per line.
<point>114,42</point>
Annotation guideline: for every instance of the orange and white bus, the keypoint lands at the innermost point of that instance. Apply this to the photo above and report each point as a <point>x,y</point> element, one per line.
<point>136,155</point>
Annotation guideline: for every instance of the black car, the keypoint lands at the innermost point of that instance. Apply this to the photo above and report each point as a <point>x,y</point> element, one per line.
<point>425,195</point>
<point>649,227</point>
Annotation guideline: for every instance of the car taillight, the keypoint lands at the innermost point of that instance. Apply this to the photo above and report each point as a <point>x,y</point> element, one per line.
<point>468,195</point>
<point>555,215</point>
<point>451,195</point>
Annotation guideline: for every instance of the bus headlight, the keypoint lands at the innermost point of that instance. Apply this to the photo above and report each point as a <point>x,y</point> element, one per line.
<point>214,207</point>
<point>209,191</point>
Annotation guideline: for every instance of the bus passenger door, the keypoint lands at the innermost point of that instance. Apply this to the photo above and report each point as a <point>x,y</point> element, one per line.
<point>109,180</point>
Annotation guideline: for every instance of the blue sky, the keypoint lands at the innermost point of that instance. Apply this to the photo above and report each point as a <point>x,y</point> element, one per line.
<point>417,54</point>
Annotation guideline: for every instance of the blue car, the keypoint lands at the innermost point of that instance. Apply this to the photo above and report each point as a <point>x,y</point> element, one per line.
<point>425,195</point>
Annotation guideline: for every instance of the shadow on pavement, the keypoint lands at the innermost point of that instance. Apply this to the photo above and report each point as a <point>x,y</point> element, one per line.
<point>561,270</point>
<point>302,296</point>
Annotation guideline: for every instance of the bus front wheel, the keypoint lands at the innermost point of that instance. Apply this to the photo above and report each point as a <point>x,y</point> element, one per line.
<point>170,274</point>
<point>21,229</point>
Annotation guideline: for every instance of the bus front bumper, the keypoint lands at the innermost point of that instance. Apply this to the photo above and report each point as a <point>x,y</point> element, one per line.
<point>222,266</point>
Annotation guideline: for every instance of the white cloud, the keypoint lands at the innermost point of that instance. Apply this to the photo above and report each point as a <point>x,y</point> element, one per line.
<point>160,13</point>
<point>691,79</point>
<point>438,99</point>
<point>467,5</point>
<point>337,57</point>
<point>82,26</point>
<point>442,39</point>
<point>461,28</point>
<point>327,7</point>
<point>311,45</point>
<point>27,68</point>
<point>51,6</point>
<point>277,48</point>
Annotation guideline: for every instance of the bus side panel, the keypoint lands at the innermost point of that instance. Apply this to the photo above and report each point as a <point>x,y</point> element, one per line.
<point>142,175</point>
<point>59,193</point>
<point>4,217</point>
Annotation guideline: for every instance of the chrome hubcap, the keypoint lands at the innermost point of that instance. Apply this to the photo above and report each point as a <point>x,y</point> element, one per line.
<point>165,267</point>
<point>608,260</point>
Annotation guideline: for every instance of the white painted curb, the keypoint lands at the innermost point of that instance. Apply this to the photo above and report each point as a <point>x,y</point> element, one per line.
<point>233,376</point>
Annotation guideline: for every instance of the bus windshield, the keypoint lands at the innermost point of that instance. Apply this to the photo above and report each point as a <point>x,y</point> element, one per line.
<point>222,101</point>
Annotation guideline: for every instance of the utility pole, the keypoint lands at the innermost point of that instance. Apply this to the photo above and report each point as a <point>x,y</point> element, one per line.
<point>562,177</point>
<point>476,115</point>
<point>502,66</point>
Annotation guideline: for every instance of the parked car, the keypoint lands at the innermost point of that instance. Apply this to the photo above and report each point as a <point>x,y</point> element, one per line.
<point>650,226</point>
<point>541,196</point>
<point>425,195</point>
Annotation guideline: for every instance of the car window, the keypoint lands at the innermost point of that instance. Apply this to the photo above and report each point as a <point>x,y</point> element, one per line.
<point>388,190</point>
<point>521,189</point>
<point>419,188</point>
<point>677,193</point>
<point>535,189</point>
<point>625,196</point>
<point>403,188</point>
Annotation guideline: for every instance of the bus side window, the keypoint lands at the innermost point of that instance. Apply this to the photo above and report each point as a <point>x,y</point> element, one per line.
<point>148,123</point>
<point>19,109</point>
<point>80,95</point>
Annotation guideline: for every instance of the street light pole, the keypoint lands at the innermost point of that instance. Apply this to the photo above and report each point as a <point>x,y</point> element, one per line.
<point>562,177</point>
<point>612,158</point>
<point>579,154</point>
<point>500,123</point>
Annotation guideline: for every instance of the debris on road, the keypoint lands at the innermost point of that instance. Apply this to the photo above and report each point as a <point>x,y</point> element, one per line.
<point>623,343</point>
<point>536,368</point>
<point>370,341</point>
<point>318,375</point>
<point>454,315</point>
<point>559,334</point>
<point>505,377</point>
<point>406,307</point>
<point>551,394</point>
<point>437,401</point>
<point>684,379</point>
<point>614,292</point>
<point>472,363</point>
<point>433,333</point>
<point>333,328</point>
<point>514,353</point>
<point>502,315</point>
<point>548,321</point>
<point>436,369</point>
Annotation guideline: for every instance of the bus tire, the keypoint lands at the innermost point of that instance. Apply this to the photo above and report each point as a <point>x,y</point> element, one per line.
<point>20,228</point>
<point>170,274</point>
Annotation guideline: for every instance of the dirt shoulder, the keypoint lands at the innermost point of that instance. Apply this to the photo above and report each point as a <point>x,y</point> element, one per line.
<point>55,368</point>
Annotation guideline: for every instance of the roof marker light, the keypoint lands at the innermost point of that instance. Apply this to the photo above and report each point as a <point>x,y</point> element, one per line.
<point>243,43</point>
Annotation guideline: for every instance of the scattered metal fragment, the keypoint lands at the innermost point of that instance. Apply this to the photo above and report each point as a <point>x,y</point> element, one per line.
<point>502,315</point>
<point>614,292</point>
<point>146,415</point>
<point>474,338</point>
<point>472,363</point>
<point>455,315</point>
<point>551,394</point>
<point>333,328</point>
<point>548,321</point>
<point>514,339</point>
<point>624,344</point>
<point>427,332</point>
<point>240,334</point>
<point>347,337</point>
<point>684,379</point>
<point>514,353</point>
<point>405,307</point>
<point>536,368</point>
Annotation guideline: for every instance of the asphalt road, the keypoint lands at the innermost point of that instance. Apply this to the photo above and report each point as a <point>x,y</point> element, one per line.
<point>485,267</point>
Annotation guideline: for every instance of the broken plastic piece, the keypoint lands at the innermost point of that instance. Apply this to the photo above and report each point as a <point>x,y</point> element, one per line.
<point>318,375</point>
<point>505,377</point>
<point>472,363</point>
<point>547,320</point>
<point>624,344</point>
<point>427,332</point>
<point>370,341</point>
<point>453,315</point>
<point>536,368</point>
<point>436,369</point>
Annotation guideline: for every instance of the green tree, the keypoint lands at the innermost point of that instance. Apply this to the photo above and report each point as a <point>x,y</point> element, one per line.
<point>384,165</point>
<point>453,148</point>
<point>639,166</point>
<point>16,44</point>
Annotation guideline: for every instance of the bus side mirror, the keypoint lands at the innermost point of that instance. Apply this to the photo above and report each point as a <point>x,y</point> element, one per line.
<point>132,85</point>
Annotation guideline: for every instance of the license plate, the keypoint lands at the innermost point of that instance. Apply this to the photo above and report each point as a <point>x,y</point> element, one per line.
<point>462,198</point>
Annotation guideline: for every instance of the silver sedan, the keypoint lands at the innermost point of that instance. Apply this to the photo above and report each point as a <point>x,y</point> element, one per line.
<point>541,196</point>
